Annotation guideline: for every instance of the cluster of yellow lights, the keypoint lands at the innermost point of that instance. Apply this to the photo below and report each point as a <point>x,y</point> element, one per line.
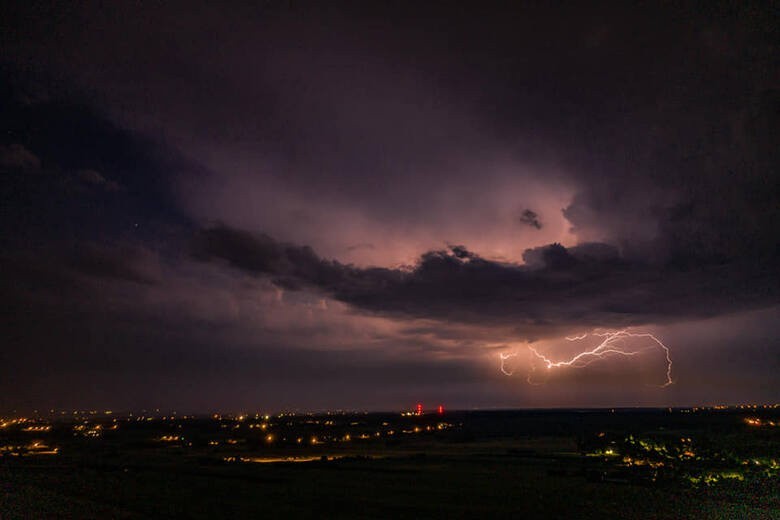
<point>92,430</point>
<point>45,428</point>
<point>266,460</point>
<point>34,448</point>
<point>346,437</point>
<point>712,478</point>
<point>771,463</point>
<point>725,407</point>
<point>755,421</point>
<point>642,462</point>
<point>6,423</point>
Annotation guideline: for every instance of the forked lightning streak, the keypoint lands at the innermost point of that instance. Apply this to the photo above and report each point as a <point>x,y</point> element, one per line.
<point>609,347</point>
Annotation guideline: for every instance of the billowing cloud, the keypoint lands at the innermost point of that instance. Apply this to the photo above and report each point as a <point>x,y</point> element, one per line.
<point>582,286</point>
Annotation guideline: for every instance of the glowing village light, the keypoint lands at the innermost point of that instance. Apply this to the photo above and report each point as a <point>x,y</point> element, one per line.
<point>609,347</point>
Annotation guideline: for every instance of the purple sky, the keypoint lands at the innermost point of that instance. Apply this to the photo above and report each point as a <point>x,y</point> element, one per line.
<point>299,206</point>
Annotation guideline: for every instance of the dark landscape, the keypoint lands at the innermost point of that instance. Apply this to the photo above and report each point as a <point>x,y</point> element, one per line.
<point>710,462</point>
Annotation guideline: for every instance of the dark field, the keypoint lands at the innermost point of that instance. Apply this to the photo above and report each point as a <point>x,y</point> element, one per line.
<point>692,463</point>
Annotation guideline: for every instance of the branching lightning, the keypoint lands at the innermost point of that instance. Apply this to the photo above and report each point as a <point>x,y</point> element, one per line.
<point>504,357</point>
<point>610,346</point>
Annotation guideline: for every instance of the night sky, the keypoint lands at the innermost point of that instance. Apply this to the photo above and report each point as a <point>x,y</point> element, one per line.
<point>310,206</point>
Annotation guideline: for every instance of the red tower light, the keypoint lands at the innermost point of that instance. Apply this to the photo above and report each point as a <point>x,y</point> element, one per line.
<point>441,409</point>
<point>419,409</point>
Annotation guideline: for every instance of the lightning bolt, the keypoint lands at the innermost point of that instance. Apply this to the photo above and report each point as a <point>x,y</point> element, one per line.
<point>504,357</point>
<point>609,347</point>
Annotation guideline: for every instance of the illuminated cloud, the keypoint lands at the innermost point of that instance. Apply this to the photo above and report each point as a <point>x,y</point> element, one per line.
<point>586,285</point>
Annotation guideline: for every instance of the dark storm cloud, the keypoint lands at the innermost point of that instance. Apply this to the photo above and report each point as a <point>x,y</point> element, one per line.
<point>122,262</point>
<point>332,125</point>
<point>94,178</point>
<point>16,156</point>
<point>585,285</point>
<point>530,218</point>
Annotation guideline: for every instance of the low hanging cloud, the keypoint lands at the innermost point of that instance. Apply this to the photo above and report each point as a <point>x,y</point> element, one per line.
<point>589,285</point>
